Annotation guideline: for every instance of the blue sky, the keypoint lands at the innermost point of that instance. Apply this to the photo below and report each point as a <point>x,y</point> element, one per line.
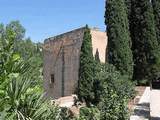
<point>46,18</point>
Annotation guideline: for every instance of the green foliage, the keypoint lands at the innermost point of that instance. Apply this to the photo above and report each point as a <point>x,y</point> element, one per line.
<point>109,77</point>
<point>10,63</point>
<point>65,114</point>
<point>23,105</point>
<point>29,51</point>
<point>97,84</point>
<point>145,45</point>
<point>97,56</point>
<point>33,53</point>
<point>18,54</point>
<point>119,41</point>
<point>18,29</point>
<point>85,85</point>
<point>129,5</point>
<point>20,99</point>
<point>156,8</point>
<point>115,93</point>
<point>91,113</point>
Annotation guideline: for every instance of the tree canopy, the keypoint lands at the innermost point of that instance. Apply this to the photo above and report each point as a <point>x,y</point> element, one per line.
<point>119,41</point>
<point>85,84</point>
<point>145,45</point>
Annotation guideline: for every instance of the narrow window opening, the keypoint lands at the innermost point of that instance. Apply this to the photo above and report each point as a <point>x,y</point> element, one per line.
<point>52,79</point>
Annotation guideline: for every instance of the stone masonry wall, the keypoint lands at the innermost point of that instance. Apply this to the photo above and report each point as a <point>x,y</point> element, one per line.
<point>61,59</point>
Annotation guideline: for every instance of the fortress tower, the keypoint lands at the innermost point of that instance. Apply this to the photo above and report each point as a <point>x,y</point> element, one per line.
<point>61,60</point>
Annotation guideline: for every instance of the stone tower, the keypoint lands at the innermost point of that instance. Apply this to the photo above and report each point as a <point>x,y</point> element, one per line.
<point>61,60</point>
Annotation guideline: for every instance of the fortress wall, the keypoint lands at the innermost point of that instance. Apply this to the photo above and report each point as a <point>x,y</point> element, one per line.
<point>61,59</point>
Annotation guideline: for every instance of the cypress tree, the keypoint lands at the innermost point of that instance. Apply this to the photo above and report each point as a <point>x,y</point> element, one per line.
<point>144,41</point>
<point>97,81</point>
<point>128,5</point>
<point>156,9</point>
<point>138,42</point>
<point>97,56</point>
<point>85,86</point>
<point>119,41</point>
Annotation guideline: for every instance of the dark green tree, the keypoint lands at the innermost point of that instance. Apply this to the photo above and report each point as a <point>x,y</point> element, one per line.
<point>144,40</point>
<point>139,57</point>
<point>128,4</point>
<point>97,87</point>
<point>97,56</point>
<point>119,41</point>
<point>85,86</point>
<point>17,28</point>
<point>156,9</point>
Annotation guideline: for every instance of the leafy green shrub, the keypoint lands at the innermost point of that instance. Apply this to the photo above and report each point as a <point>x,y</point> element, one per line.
<point>19,98</point>
<point>23,105</point>
<point>112,91</point>
<point>89,113</point>
<point>115,92</point>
